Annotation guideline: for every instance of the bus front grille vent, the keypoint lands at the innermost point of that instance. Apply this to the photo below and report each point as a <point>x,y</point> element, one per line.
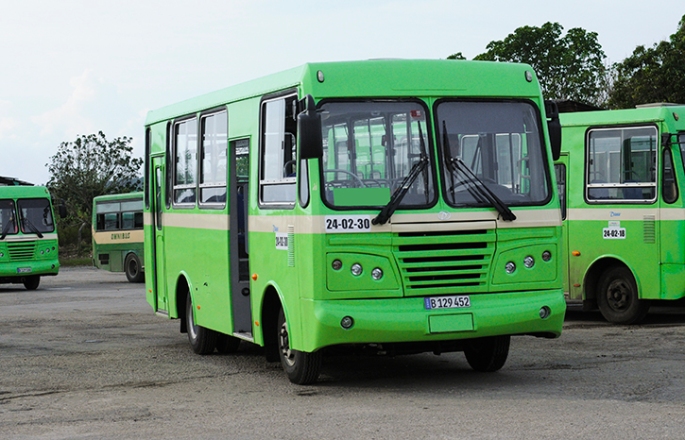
<point>439,262</point>
<point>21,251</point>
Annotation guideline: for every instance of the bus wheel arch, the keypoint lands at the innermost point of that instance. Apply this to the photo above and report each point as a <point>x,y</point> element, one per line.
<point>613,286</point>
<point>133,268</point>
<point>202,340</point>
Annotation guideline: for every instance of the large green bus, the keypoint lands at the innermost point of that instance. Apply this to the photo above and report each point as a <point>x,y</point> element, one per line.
<point>400,206</point>
<point>28,235</point>
<point>619,175</point>
<point>117,230</point>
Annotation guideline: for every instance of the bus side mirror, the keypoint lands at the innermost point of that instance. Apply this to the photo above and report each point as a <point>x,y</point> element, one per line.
<point>62,210</point>
<point>553,128</point>
<point>309,131</point>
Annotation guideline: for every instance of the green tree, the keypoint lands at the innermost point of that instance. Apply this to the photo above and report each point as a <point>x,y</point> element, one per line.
<point>655,74</point>
<point>91,166</point>
<point>568,67</point>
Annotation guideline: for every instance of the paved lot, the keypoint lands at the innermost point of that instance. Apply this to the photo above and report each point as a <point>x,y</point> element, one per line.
<point>84,357</point>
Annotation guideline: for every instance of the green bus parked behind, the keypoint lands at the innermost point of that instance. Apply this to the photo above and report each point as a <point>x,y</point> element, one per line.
<point>118,234</point>
<point>620,176</point>
<point>28,235</point>
<point>400,206</point>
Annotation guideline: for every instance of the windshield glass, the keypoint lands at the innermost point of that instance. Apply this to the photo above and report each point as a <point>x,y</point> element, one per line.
<point>681,142</point>
<point>35,216</point>
<point>500,143</point>
<point>8,223</point>
<point>369,149</point>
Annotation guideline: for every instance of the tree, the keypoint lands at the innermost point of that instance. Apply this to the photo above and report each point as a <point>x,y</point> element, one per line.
<point>91,166</point>
<point>650,75</point>
<point>568,67</point>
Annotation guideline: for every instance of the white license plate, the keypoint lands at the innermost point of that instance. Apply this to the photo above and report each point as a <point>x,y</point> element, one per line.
<point>447,302</point>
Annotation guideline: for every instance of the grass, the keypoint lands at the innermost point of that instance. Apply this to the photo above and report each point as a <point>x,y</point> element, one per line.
<point>75,261</point>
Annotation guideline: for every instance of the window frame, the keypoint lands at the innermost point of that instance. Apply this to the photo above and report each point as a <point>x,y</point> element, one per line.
<point>174,158</point>
<point>201,162</point>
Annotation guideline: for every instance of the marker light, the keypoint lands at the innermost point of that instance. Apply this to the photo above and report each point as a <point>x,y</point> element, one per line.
<point>377,273</point>
<point>510,267</point>
<point>337,264</point>
<point>546,256</point>
<point>529,262</point>
<point>1,255</point>
<point>356,269</point>
<point>545,312</point>
<point>347,322</point>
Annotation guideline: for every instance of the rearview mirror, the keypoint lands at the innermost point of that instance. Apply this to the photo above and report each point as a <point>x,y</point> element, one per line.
<point>553,128</point>
<point>309,131</point>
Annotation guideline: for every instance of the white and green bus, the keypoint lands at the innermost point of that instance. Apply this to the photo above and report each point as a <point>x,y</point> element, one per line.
<point>619,176</point>
<point>28,235</point>
<point>396,205</point>
<point>117,230</point>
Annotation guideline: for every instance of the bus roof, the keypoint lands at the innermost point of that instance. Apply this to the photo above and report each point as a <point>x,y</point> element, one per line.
<point>375,78</point>
<point>122,196</point>
<point>648,113</point>
<point>23,191</point>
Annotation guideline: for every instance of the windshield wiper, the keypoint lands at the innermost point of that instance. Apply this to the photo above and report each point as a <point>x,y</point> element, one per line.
<point>31,227</point>
<point>416,170</point>
<point>473,184</point>
<point>6,229</point>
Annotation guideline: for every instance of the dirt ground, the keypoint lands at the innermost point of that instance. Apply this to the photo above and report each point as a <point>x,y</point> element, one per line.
<point>84,357</point>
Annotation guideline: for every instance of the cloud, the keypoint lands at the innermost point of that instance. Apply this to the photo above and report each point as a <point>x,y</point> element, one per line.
<point>8,124</point>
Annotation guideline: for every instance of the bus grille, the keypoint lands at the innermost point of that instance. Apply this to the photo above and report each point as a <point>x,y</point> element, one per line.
<point>445,262</point>
<point>21,251</point>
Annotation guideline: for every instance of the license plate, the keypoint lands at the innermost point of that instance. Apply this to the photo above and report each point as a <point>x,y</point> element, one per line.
<point>447,302</point>
<point>23,270</point>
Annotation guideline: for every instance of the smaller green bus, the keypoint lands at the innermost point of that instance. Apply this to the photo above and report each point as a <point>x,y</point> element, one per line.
<point>28,235</point>
<point>621,178</point>
<point>118,234</point>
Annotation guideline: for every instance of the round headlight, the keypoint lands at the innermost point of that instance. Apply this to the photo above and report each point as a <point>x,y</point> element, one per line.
<point>356,269</point>
<point>377,273</point>
<point>510,267</point>
<point>529,261</point>
<point>337,264</point>
<point>546,256</point>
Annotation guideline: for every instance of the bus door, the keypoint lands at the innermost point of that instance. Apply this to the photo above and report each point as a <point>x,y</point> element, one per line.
<point>238,245</point>
<point>158,244</point>
<point>561,170</point>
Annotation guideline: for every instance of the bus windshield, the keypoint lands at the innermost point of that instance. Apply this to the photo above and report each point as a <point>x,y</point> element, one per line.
<point>492,149</point>
<point>370,148</point>
<point>8,223</point>
<point>35,215</point>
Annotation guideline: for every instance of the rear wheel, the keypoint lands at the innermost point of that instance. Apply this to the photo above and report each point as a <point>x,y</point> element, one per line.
<point>201,339</point>
<point>133,269</point>
<point>32,282</point>
<point>618,299</point>
<point>302,368</point>
<point>487,354</point>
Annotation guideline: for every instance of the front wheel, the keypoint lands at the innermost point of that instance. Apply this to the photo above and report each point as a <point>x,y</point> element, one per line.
<point>32,282</point>
<point>133,269</point>
<point>203,340</point>
<point>302,368</point>
<point>618,299</point>
<point>487,354</point>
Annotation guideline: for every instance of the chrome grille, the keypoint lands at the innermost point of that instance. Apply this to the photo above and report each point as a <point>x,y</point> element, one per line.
<point>444,262</point>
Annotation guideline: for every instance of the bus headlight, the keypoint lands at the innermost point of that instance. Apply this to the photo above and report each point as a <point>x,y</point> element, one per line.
<point>510,267</point>
<point>546,256</point>
<point>377,274</point>
<point>529,262</point>
<point>356,269</point>
<point>336,265</point>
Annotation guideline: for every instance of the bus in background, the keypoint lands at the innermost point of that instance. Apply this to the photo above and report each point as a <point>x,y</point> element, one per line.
<point>28,235</point>
<point>623,211</point>
<point>118,234</point>
<point>400,206</point>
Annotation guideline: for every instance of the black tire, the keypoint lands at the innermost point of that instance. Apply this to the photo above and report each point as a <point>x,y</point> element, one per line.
<point>302,368</point>
<point>618,298</point>
<point>487,354</point>
<point>32,282</point>
<point>133,269</point>
<point>201,339</point>
<point>226,344</point>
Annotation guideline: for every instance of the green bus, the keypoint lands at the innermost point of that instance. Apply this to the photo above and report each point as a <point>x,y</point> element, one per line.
<point>399,206</point>
<point>619,177</point>
<point>28,235</point>
<point>117,228</point>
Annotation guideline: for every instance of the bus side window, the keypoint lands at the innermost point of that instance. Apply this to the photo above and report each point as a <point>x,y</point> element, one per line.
<point>669,189</point>
<point>277,152</point>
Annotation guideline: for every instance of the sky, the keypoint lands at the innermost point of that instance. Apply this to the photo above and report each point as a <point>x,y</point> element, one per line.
<point>75,67</point>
